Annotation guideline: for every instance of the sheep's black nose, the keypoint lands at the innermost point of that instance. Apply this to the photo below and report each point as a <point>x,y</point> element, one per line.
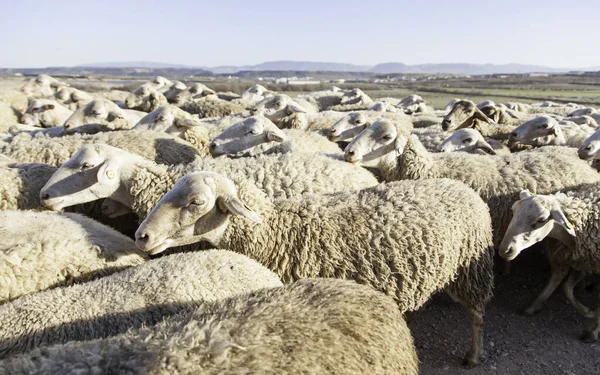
<point>350,152</point>
<point>142,238</point>
<point>45,196</point>
<point>514,135</point>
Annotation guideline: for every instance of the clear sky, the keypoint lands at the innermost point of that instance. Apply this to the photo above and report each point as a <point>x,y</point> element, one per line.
<point>234,32</point>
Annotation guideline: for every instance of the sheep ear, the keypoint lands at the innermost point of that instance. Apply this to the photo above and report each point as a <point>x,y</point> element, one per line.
<point>524,194</point>
<point>559,217</point>
<point>181,122</point>
<point>107,174</point>
<point>481,116</point>
<point>485,147</point>
<point>294,108</point>
<point>235,206</point>
<point>273,137</point>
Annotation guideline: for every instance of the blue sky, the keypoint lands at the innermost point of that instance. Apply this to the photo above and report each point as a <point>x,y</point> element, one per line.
<point>231,32</point>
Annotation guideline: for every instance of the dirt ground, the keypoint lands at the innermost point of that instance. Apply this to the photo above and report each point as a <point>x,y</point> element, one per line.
<point>546,343</point>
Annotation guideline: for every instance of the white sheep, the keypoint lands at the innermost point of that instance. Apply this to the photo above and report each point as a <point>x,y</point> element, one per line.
<point>572,220</point>
<point>392,237</point>
<point>257,134</point>
<point>465,114</point>
<point>156,146</point>
<point>583,112</point>
<point>210,106</point>
<point>42,250</point>
<point>42,86</point>
<point>545,130</point>
<point>471,141</point>
<point>141,295</point>
<point>353,123</point>
<point>253,95</point>
<point>173,90</point>
<point>145,98</point>
<point>45,113</point>
<point>194,90</point>
<point>583,120</point>
<point>102,171</point>
<point>315,326</point>
<point>101,115</point>
<point>72,98</point>
<point>9,117</point>
<point>497,178</point>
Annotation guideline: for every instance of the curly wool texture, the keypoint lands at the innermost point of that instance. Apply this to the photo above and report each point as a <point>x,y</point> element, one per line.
<point>431,137</point>
<point>211,106</point>
<point>581,206</point>
<point>497,179</point>
<point>20,185</point>
<point>279,176</point>
<point>325,120</point>
<point>9,117</point>
<point>400,242</point>
<point>41,250</point>
<point>352,330</point>
<point>160,147</point>
<point>141,295</point>
<point>15,99</point>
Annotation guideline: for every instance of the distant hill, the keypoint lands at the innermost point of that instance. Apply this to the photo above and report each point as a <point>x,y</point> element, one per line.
<point>145,67</point>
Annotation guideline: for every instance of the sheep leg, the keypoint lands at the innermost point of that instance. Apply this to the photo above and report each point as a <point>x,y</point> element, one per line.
<point>472,357</point>
<point>574,278</point>
<point>557,275</point>
<point>590,336</point>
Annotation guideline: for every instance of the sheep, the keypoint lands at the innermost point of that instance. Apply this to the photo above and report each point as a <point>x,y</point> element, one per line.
<point>414,104</point>
<point>596,116</point>
<point>20,184</point>
<point>145,98</point>
<point>15,99</point>
<point>42,250</point>
<point>45,113</point>
<point>42,85</point>
<point>353,100</point>
<point>174,90</point>
<point>194,90</point>
<point>211,106</point>
<point>323,100</point>
<point>583,120</point>
<point>353,123</point>
<point>583,112</point>
<point>256,135</point>
<point>139,183</point>
<point>351,329</point>
<point>518,107</point>
<point>544,130</point>
<point>465,114</point>
<point>141,295</point>
<point>156,146</point>
<point>590,148</point>
<point>159,83</point>
<point>392,237</point>
<point>253,95</point>
<point>471,141</point>
<point>101,115</point>
<point>380,106</point>
<point>571,219</point>
<point>72,98</point>
<point>497,178</point>
<point>9,116</point>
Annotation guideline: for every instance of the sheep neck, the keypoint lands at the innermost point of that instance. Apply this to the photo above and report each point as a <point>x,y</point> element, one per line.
<point>414,163</point>
<point>147,183</point>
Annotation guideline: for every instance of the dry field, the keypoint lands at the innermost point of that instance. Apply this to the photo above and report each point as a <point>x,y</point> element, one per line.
<point>546,343</point>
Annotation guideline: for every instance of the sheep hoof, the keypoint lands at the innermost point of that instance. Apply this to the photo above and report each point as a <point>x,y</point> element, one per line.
<point>529,310</point>
<point>469,362</point>
<point>588,337</point>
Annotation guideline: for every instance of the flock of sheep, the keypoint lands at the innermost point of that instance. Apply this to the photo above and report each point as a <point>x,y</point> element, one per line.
<point>295,202</point>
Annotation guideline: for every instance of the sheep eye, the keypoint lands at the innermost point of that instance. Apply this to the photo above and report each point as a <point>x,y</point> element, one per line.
<point>95,113</point>
<point>197,203</point>
<point>85,166</point>
<point>359,121</point>
<point>278,104</point>
<point>468,140</point>
<point>387,137</point>
<point>254,132</point>
<point>544,126</point>
<point>161,118</point>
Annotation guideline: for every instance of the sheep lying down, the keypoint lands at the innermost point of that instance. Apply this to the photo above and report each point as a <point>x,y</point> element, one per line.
<point>141,295</point>
<point>42,250</point>
<point>314,326</point>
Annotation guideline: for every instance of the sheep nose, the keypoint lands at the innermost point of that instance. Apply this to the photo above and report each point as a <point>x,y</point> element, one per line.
<point>514,135</point>
<point>350,156</point>
<point>44,196</point>
<point>445,124</point>
<point>254,110</point>
<point>142,238</point>
<point>67,126</point>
